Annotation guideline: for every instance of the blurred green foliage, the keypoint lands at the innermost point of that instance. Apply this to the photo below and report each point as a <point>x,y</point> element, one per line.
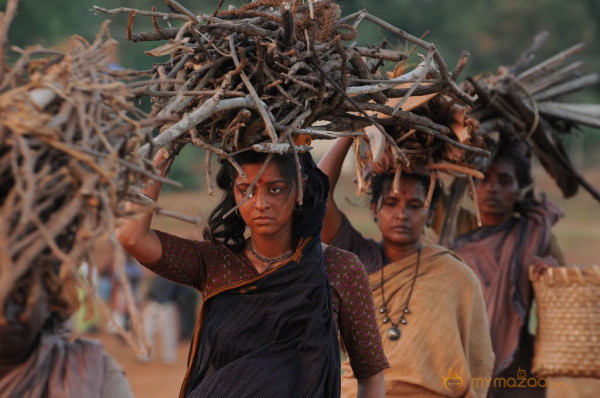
<point>493,31</point>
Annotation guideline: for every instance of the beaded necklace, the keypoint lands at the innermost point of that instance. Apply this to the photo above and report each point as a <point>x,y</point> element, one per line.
<point>393,332</point>
<point>269,260</point>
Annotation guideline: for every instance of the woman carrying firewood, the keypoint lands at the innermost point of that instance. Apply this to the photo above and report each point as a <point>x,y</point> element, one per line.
<point>516,230</point>
<point>430,309</point>
<point>267,325</point>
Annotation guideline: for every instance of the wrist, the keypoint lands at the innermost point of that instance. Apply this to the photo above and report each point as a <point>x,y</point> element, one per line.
<point>152,189</point>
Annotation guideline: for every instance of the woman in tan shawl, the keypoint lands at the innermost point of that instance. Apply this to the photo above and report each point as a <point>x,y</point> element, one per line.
<point>516,230</point>
<point>430,307</point>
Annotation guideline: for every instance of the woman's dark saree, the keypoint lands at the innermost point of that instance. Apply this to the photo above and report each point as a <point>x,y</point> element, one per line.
<point>273,336</point>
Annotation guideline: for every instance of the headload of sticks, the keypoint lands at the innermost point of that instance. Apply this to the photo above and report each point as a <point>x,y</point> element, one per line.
<point>67,129</point>
<point>74,147</point>
<point>449,143</point>
<point>273,74</point>
<point>523,103</point>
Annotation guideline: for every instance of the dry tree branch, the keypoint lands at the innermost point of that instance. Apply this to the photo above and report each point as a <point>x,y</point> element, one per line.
<point>5,20</point>
<point>258,103</point>
<point>161,15</point>
<point>208,108</point>
<point>441,64</point>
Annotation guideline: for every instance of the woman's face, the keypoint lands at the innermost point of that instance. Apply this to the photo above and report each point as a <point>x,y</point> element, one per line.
<point>270,209</point>
<point>402,217</point>
<point>498,192</point>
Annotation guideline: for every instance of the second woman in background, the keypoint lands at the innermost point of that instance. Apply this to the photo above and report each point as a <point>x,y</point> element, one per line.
<point>516,231</point>
<point>429,304</point>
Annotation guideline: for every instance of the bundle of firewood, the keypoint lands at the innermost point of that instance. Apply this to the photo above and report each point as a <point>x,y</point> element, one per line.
<point>273,74</point>
<point>452,144</point>
<point>527,103</point>
<point>68,134</point>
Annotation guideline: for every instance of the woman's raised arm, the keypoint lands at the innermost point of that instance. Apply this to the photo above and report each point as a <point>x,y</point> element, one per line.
<point>134,233</point>
<point>331,165</point>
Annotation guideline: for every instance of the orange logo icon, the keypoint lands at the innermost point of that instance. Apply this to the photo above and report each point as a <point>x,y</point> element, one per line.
<point>453,381</point>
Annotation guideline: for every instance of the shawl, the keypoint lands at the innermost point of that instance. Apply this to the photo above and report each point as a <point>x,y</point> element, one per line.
<point>500,256</point>
<point>59,369</point>
<point>273,335</point>
<point>445,342</point>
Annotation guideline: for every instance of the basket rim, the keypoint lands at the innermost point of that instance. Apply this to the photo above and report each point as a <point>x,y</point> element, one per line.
<point>573,274</point>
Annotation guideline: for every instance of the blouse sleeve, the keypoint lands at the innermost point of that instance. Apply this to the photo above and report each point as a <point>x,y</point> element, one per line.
<point>182,260</point>
<point>356,313</point>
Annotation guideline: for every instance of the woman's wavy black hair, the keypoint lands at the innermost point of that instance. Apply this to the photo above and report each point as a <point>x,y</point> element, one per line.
<point>518,157</point>
<point>381,183</point>
<point>230,230</point>
<point>521,163</point>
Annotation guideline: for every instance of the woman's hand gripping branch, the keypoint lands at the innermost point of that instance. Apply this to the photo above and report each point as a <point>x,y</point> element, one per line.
<point>134,232</point>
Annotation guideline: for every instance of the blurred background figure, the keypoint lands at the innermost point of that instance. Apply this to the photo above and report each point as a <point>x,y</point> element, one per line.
<point>188,301</point>
<point>118,302</point>
<point>37,356</point>
<point>161,317</point>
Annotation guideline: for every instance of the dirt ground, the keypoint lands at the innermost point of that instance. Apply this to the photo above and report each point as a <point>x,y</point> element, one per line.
<point>153,379</point>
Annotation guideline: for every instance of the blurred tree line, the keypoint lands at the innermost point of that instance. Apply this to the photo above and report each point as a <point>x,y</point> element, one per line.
<point>494,32</point>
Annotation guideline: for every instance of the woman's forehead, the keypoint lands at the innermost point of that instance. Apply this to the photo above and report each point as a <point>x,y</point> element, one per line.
<point>502,166</point>
<point>252,170</point>
<point>408,187</point>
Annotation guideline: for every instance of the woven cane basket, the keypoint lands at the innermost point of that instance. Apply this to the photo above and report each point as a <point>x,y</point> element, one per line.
<point>568,332</point>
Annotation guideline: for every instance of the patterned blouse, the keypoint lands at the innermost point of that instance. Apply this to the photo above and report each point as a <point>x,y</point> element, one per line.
<point>209,267</point>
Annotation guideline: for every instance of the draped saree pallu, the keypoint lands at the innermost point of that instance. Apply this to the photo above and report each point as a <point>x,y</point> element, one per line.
<point>500,256</point>
<point>446,331</point>
<point>273,335</point>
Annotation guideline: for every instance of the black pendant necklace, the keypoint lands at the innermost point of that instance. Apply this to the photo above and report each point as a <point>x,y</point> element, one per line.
<point>393,332</point>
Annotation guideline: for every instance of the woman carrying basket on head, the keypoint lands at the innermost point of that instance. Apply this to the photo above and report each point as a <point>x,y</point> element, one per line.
<point>267,325</point>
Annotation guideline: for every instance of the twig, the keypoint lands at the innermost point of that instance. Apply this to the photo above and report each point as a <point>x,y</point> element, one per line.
<point>457,168</point>
<point>206,110</point>
<point>393,145</point>
<point>474,194</point>
<point>5,21</point>
<point>420,77</point>
<point>161,15</point>
<point>430,47</point>
<point>176,6</point>
<point>258,103</point>
<point>219,5</point>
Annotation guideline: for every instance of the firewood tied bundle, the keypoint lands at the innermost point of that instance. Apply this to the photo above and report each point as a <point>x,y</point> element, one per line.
<point>427,153</point>
<point>67,126</point>
<point>273,74</point>
<point>527,103</point>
